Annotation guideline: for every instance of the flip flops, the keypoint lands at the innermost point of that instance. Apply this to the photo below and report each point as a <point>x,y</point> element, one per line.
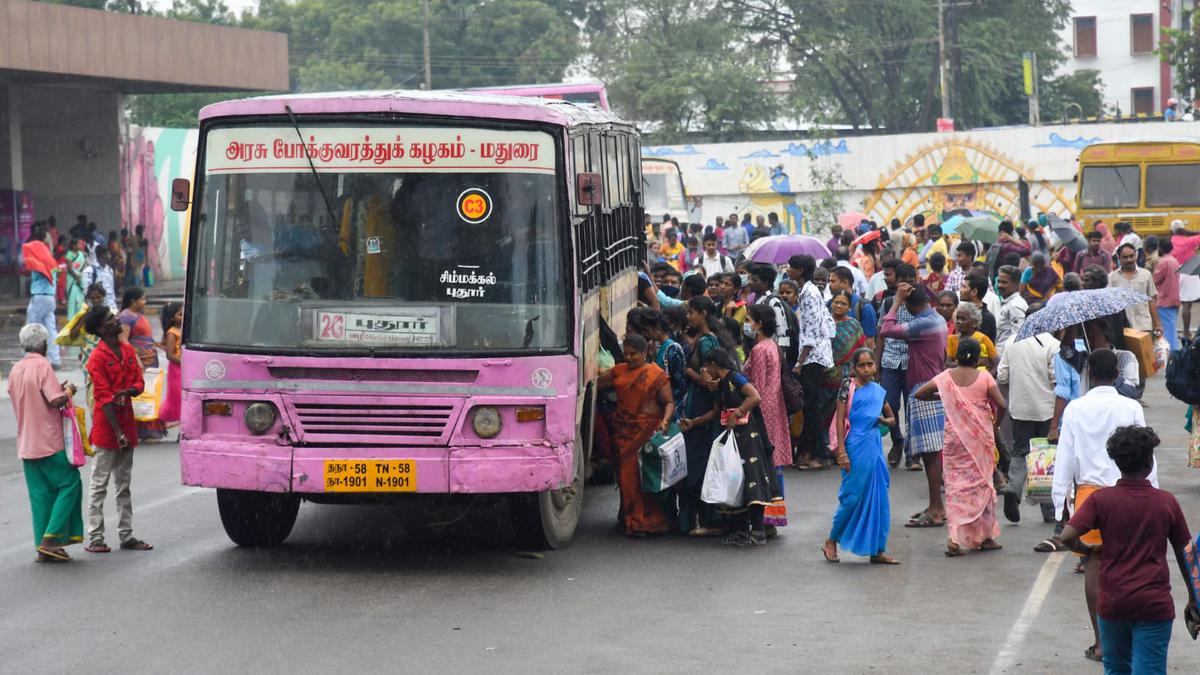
<point>52,554</point>
<point>134,544</point>
<point>924,520</point>
<point>97,547</point>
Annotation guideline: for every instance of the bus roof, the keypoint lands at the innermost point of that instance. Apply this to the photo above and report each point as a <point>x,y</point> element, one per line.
<point>1146,141</point>
<point>436,103</point>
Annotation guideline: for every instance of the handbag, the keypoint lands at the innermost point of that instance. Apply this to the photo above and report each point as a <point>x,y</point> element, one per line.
<point>724,476</point>
<point>793,391</point>
<point>663,460</point>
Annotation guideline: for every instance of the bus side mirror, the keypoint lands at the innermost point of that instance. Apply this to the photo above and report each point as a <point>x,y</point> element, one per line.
<point>181,192</point>
<point>588,189</point>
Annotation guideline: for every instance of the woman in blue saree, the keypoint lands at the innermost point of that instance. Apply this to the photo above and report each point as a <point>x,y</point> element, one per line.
<point>863,517</point>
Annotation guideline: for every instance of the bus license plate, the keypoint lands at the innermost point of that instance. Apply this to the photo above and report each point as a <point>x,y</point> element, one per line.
<point>370,475</point>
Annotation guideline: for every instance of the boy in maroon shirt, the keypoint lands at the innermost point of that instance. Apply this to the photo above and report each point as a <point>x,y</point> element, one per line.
<point>1136,610</point>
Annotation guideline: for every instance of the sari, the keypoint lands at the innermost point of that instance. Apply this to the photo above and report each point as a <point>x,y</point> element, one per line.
<point>863,516</point>
<point>968,460</point>
<point>637,417</point>
<point>55,499</point>
<point>671,358</point>
<point>169,412</point>
<point>1040,284</point>
<point>76,261</point>
<point>847,338</point>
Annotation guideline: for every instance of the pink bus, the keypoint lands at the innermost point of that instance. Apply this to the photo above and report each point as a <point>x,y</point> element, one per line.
<point>402,292</point>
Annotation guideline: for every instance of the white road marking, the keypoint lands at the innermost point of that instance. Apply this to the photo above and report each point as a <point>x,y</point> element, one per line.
<point>138,508</point>
<point>1029,613</point>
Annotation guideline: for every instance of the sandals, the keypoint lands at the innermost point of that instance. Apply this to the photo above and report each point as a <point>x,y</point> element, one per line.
<point>995,546</point>
<point>1049,546</point>
<point>134,544</point>
<point>953,550</point>
<point>1091,655</point>
<point>925,520</point>
<point>895,455</point>
<point>829,558</point>
<point>913,465</point>
<point>52,554</point>
<point>97,547</point>
<point>884,559</point>
<point>707,531</point>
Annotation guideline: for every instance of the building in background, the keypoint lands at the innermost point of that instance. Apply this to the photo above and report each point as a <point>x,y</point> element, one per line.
<point>63,74</point>
<point>1119,38</point>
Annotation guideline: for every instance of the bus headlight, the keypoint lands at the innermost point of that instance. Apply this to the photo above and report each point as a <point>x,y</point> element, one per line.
<point>486,422</point>
<point>259,417</point>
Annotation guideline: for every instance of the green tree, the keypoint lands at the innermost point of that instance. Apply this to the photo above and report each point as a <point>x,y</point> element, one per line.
<point>878,68</point>
<point>683,66</point>
<point>1080,88</point>
<point>1181,49</point>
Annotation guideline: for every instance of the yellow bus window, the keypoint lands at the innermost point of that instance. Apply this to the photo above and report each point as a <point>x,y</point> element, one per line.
<point>1173,185</point>
<point>1106,187</point>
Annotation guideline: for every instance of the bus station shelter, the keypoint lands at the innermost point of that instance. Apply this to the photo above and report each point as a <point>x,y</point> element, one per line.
<point>64,72</point>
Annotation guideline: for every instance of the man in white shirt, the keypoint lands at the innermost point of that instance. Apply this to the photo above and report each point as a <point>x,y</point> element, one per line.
<point>1027,367</point>
<point>736,238</point>
<point>711,261</point>
<point>1012,306</point>
<point>1082,458</point>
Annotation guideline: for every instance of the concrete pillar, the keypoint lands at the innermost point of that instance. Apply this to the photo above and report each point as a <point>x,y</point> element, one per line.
<point>12,176</point>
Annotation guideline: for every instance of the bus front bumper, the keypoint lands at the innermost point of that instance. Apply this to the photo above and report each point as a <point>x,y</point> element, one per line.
<point>454,470</point>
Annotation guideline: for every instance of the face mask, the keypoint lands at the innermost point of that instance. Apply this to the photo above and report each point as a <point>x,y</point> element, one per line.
<point>747,330</point>
<point>745,279</point>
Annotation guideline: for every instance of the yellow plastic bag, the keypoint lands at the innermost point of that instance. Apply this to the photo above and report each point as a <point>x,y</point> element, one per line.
<point>81,422</point>
<point>145,404</point>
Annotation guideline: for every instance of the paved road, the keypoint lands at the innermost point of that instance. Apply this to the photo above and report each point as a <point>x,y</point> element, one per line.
<point>378,588</point>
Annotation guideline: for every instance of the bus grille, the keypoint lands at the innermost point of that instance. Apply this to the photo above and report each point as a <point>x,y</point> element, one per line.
<point>1145,223</point>
<point>374,420</point>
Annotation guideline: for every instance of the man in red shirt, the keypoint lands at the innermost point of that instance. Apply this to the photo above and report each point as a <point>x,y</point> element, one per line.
<point>116,376</point>
<point>1136,610</point>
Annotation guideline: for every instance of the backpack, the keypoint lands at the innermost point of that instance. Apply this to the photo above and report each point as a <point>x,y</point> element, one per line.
<point>1183,373</point>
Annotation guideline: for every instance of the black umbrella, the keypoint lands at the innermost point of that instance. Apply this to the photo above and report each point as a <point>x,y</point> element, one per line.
<point>1066,233</point>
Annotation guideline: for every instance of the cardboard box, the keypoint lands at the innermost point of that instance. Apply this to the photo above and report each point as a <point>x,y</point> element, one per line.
<point>1141,343</point>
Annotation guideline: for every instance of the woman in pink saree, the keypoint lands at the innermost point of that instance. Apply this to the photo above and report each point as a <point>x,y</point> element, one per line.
<point>973,406</point>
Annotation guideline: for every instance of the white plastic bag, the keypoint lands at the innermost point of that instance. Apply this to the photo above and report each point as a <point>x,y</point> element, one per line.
<point>723,478</point>
<point>1162,353</point>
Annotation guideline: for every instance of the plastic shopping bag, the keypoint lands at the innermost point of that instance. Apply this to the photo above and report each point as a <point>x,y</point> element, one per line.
<point>1039,465</point>
<point>145,404</point>
<point>663,460</point>
<point>72,438</point>
<point>1162,353</point>
<point>724,476</point>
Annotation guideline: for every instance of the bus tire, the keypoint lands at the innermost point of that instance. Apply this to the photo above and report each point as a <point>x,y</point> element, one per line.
<point>547,520</point>
<point>257,518</point>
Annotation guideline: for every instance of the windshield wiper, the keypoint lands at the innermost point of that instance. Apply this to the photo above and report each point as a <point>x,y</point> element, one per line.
<point>312,167</point>
<point>529,332</point>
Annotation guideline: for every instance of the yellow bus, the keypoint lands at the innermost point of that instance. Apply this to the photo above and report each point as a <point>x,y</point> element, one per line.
<point>1147,183</point>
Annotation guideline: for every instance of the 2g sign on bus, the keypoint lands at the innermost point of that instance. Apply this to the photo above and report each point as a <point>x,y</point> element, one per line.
<point>332,326</point>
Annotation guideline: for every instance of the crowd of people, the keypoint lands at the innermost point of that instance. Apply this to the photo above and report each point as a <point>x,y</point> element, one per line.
<point>62,265</point>
<point>907,332</point>
<point>116,345</point>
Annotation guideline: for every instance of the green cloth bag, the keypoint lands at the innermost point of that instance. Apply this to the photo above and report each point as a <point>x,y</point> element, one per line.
<point>663,460</point>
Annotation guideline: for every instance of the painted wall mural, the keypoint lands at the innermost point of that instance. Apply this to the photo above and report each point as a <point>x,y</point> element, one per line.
<point>152,158</point>
<point>897,176</point>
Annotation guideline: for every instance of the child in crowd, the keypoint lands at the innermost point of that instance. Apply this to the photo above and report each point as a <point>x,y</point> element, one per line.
<point>1135,610</point>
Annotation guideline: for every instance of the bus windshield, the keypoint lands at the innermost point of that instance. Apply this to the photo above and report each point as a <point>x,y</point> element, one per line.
<point>428,239</point>
<point>1110,187</point>
<point>1173,185</point>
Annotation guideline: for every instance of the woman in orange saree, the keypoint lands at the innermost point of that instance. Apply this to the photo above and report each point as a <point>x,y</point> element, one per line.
<point>973,406</point>
<point>644,406</point>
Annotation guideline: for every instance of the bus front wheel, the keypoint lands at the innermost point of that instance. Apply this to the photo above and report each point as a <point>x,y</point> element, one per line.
<point>547,520</point>
<point>257,518</point>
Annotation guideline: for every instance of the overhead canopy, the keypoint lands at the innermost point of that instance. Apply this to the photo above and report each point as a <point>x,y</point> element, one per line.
<point>44,43</point>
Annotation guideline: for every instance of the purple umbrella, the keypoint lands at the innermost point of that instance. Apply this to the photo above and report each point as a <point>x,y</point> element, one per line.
<point>777,249</point>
